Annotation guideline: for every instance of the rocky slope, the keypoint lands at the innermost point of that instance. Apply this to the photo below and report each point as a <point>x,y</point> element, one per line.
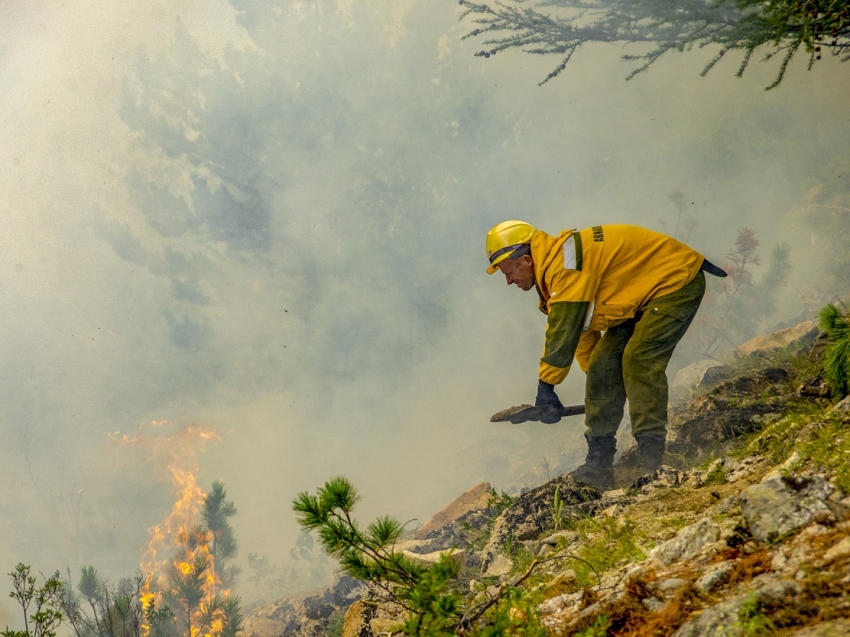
<point>744,531</point>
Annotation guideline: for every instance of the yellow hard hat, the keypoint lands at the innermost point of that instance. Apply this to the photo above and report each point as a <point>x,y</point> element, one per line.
<point>504,238</point>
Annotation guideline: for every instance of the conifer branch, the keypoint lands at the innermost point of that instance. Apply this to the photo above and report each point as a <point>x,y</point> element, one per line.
<point>561,26</point>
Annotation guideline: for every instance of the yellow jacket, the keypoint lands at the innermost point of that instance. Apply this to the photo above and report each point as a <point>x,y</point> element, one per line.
<point>594,279</point>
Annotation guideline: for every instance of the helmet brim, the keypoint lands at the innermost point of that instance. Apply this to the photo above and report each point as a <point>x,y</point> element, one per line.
<point>494,267</point>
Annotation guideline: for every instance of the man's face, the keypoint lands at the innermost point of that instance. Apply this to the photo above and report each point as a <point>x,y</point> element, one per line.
<point>519,272</point>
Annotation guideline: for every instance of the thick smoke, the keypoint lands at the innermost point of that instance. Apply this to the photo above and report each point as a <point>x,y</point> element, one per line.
<point>269,219</point>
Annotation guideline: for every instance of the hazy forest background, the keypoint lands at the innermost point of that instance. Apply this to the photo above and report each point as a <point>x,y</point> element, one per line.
<point>268,218</point>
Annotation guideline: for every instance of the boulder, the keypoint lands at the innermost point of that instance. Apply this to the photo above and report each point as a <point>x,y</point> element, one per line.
<point>670,587</point>
<point>383,626</point>
<point>531,513</point>
<point>552,540</point>
<point>475,499</point>
<point>499,565</point>
<point>720,620</point>
<point>713,375</point>
<point>429,559</point>
<point>837,552</point>
<point>357,620</point>
<point>687,543</point>
<point>304,614</point>
<point>723,619</point>
<point>715,576</point>
<point>800,334</point>
<point>783,504</point>
<point>692,375</point>
<point>457,533</point>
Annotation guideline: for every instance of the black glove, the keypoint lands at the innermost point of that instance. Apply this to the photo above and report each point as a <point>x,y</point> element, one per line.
<point>546,396</point>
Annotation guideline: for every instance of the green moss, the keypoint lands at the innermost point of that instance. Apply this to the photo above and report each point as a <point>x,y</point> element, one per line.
<point>830,449</point>
<point>335,624</point>
<point>522,558</point>
<point>605,544</point>
<point>778,440</point>
<point>715,476</point>
<point>599,628</point>
<point>753,621</point>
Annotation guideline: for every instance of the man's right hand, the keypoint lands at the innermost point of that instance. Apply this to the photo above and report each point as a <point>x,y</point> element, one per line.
<point>546,396</point>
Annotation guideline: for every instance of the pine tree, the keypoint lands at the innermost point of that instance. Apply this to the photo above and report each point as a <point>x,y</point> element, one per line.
<point>216,514</point>
<point>115,611</point>
<point>560,27</point>
<point>433,602</point>
<point>186,591</point>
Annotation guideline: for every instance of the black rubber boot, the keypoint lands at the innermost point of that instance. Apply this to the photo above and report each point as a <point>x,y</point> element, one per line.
<point>650,453</point>
<point>598,468</point>
<point>642,459</point>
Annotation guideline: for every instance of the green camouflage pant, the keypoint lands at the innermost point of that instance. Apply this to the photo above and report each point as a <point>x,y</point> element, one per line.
<point>630,361</point>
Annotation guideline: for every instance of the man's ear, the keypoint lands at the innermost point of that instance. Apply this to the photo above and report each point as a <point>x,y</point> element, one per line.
<point>527,260</point>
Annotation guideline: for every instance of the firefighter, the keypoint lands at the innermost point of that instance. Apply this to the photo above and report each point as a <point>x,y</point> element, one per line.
<point>618,299</point>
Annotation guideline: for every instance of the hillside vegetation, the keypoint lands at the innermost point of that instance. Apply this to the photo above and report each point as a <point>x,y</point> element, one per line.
<point>744,531</point>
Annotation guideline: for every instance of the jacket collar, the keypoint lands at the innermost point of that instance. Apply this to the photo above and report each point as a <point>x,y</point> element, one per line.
<point>544,251</point>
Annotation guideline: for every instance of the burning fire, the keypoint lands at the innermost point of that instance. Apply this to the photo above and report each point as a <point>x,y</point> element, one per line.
<point>178,563</point>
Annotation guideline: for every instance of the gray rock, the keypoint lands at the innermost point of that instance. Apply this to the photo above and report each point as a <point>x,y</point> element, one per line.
<point>552,540</point>
<point>727,505</point>
<point>713,375</point>
<point>838,551</point>
<point>653,604</point>
<point>531,514</point>
<point>800,334</point>
<point>455,533</point>
<point>568,602</point>
<point>717,621</point>
<point>691,375</point>
<point>667,588</point>
<point>781,505</point>
<point>563,578</point>
<point>476,499</point>
<point>304,614</point>
<point>840,409</point>
<point>722,620</point>
<point>458,556</point>
<point>715,576</point>
<point>357,620</point>
<point>773,590</point>
<point>499,565</point>
<point>689,541</point>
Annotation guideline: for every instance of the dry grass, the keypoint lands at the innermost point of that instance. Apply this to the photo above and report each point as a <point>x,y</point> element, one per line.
<point>750,566</point>
<point>630,618</point>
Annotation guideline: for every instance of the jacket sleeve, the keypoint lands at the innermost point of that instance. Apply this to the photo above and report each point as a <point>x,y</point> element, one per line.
<point>586,345</point>
<point>563,332</point>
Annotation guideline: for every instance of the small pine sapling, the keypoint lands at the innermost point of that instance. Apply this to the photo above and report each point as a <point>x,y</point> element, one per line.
<point>216,514</point>
<point>433,602</point>
<point>837,362</point>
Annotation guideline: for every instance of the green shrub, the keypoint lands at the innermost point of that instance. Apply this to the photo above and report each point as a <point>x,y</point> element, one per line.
<point>435,607</point>
<point>837,362</point>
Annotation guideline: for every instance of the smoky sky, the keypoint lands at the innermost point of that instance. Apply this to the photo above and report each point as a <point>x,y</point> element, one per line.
<point>268,218</point>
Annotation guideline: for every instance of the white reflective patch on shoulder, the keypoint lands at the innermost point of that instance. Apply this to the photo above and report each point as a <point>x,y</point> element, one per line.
<point>589,316</point>
<point>570,254</point>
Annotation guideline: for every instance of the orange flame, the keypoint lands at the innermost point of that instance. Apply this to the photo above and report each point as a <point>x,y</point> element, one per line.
<point>173,543</point>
